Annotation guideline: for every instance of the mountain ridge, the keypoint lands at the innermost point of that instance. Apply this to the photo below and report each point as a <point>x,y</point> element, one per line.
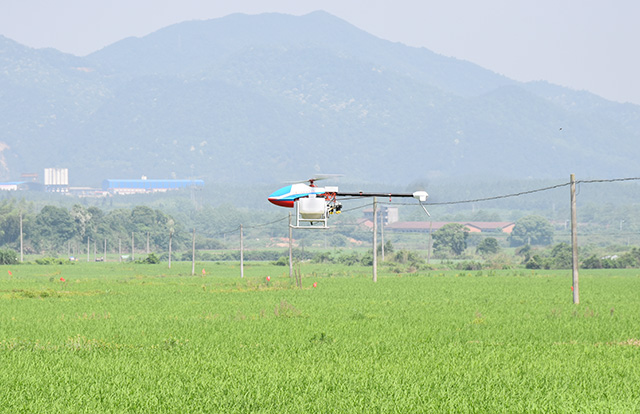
<point>267,97</point>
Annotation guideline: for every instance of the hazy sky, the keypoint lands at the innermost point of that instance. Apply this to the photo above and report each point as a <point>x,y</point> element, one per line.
<point>582,44</point>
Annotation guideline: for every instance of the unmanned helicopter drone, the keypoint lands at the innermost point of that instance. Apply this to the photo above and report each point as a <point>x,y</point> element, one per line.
<point>313,205</point>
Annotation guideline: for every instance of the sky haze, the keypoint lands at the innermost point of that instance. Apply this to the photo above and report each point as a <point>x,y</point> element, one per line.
<point>584,45</point>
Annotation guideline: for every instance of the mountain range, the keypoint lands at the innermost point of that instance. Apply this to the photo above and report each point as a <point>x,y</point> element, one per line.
<point>270,97</point>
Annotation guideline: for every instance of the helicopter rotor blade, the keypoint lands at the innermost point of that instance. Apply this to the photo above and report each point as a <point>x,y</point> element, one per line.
<point>317,177</point>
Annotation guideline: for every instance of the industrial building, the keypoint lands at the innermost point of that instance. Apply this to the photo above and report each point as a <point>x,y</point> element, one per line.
<point>144,185</point>
<point>56,180</point>
<point>12,186</point>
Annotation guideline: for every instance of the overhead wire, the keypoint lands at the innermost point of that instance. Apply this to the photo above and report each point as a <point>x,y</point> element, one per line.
<point>610,180</point>
<point>537,190</point>
<point>255,226</point>
<point>267,224</point>
<point>345,210</point>
<point>476,200</point>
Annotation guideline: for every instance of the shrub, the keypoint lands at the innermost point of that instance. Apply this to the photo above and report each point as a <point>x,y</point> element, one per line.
<point>469,265</point>
<point>593,262</point>
<point>53,261</point>
<point>367,259</point>
<point>8,256</point>
<point>323,257</point>
<point>499,261</point>
<point>535,262</point>
<point>349,259</point>
<point>150,259</point>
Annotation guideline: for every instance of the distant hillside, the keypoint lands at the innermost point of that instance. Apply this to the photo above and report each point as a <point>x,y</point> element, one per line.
<point>273,97</point>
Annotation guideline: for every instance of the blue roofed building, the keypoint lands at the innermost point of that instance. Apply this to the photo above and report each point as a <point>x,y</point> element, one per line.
<point>12,185</point>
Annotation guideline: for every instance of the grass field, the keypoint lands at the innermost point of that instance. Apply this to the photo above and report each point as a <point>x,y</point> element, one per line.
<point>143,338</point>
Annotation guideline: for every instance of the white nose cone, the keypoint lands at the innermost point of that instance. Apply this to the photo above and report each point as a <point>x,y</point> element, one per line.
<point>421,195</point>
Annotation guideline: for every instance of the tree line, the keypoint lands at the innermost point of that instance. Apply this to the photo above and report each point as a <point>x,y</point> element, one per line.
<point>54,229</point>
<point>451,239</point>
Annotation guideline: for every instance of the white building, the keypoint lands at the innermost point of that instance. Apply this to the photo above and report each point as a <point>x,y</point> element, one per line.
<point>56,180</point>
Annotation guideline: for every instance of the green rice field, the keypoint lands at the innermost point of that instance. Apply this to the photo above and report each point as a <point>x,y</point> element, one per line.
<point>110,337</point>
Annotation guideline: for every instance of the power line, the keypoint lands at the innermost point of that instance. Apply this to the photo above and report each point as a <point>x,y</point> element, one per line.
<point>445,203</point>
<point>266,224</point>
<point>477,200</point>
<point>522,193</point>
<point>345,210</point>
<point>611,180</point>
<point>237,229</point>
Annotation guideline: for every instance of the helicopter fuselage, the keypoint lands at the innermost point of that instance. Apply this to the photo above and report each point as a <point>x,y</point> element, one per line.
<point>287,196</point>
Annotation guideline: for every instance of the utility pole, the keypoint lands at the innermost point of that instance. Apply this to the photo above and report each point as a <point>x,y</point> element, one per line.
<point>574,241</point>
<point>170,237</point>
<point>21,247</point>
<point>193,253</point>
<point>375,239</point>
<point>382,235</point>
<point>430,242</point>
<point>241,253</point>
<point>290,248</point>
<point>170,224</point>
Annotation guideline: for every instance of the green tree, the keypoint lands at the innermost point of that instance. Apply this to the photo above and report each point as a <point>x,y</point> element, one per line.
<point>338,240</point>
<point>10,211</point>
<point>561,257</point>
<point>388,247</point>
<point>592,262</point>
<point>10,228</point>
<point>144,219</point>
<point>451,237</point>
<point>52,227</point>
<point>488,247</point>
<point>95,227</point>
<point>531,230</point>
<point>81,217</point>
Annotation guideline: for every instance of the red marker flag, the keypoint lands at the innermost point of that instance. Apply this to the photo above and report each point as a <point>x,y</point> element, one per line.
<point>203,272</point>
<point>572,288</point>
<point>268,278</point>
<point>62,279</point>
<point>10,274</point>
